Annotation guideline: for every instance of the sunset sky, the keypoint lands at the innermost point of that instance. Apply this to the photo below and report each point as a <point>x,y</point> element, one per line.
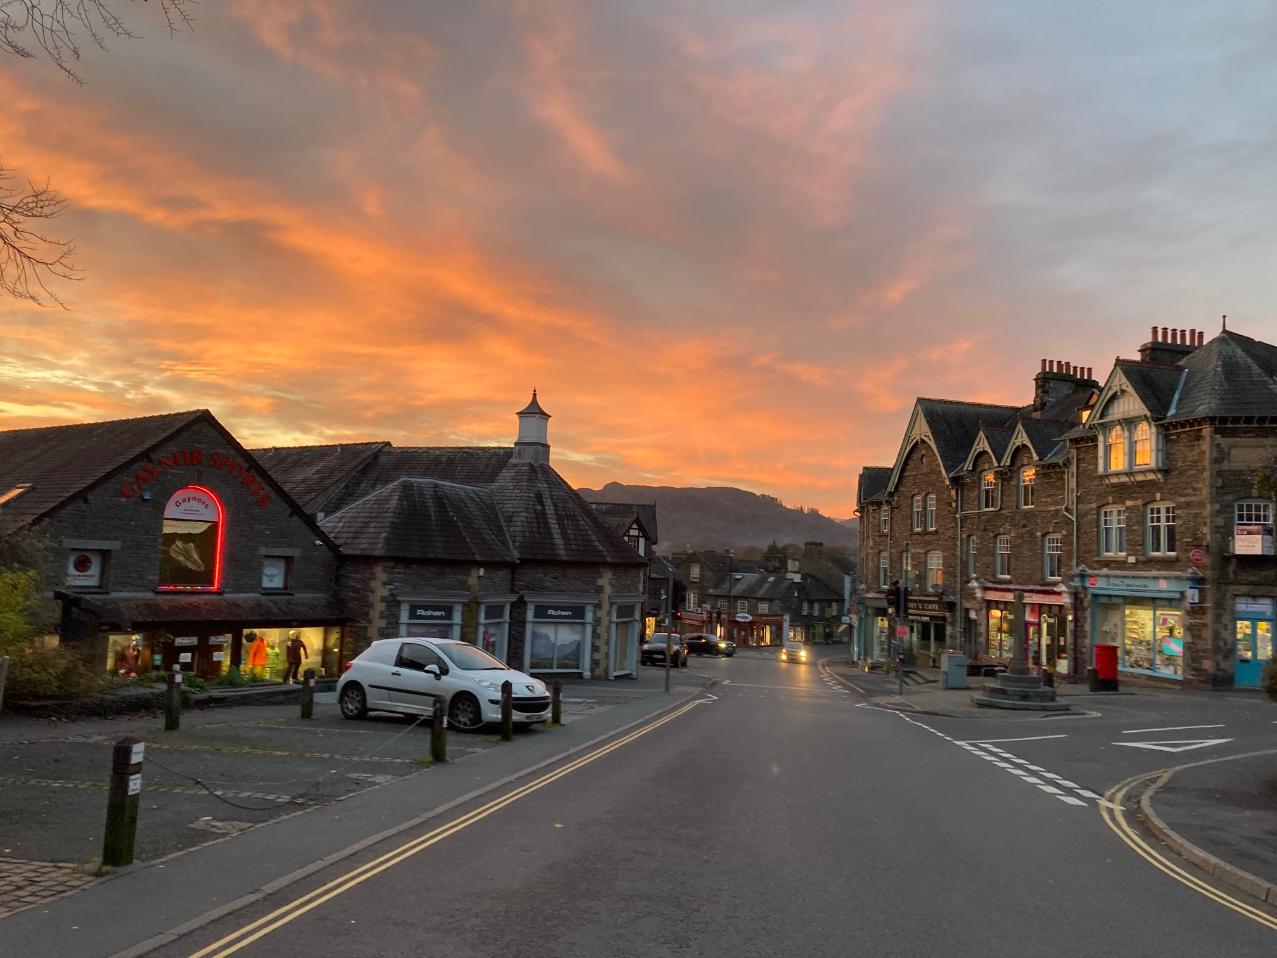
<point>728,242</point>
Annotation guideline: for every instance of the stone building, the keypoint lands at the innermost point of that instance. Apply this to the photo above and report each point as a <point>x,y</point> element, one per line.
<point>172,546</point>
<point>485,544</point>
<point>1132,513</point>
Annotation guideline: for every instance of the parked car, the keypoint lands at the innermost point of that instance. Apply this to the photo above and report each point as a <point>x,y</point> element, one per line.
<point>407,675</point>
<point>794,652</point>
<point>702,643</point>
<point>652,652</point>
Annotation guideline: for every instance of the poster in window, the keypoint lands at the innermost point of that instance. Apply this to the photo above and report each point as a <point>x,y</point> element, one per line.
<point>84,569</point>
<point>191,543</point>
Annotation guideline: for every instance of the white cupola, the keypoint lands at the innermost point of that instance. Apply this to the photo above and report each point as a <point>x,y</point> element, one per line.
<point>533,444</point>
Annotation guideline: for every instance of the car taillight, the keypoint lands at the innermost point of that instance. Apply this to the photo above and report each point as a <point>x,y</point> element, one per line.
<point>346,667</point>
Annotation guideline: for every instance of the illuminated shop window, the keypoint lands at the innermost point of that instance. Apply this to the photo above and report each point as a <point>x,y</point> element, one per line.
<point>191,542</point>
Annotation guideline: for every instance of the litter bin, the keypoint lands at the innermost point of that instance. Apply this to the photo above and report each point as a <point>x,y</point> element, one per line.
<point>953,670</point>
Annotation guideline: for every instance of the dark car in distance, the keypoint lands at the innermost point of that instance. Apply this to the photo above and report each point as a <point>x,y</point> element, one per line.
<point>652,652</point>
<point>702,643</point>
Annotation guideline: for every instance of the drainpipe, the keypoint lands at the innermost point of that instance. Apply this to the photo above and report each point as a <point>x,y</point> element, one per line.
<point>1070,513</point>
<point>959,609</point>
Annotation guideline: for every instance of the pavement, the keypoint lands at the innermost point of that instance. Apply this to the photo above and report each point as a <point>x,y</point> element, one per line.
<point>230,770</point>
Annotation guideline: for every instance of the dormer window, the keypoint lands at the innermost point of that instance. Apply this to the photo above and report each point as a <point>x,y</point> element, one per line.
<point>1028,485</point>
<point>1142,444</point>
<point>989,490</point>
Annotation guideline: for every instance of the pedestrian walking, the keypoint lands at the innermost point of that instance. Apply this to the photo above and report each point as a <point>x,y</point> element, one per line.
<point>295,651</point>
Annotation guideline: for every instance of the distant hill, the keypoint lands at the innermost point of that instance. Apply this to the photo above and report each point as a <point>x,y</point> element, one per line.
<point>721,517</point>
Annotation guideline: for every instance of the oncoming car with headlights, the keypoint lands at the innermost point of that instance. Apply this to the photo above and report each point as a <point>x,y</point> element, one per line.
<point>407,675</point>
<point>793,652</point>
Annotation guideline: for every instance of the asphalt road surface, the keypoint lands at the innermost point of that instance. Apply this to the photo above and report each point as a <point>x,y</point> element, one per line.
<point>777,816</point>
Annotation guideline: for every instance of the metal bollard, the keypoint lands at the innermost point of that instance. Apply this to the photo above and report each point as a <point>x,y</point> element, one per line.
<point>438,734</point>
<point>556,702</point>
<point>121,805</point>
<point>308,694</point>
<point>507,711</point>
<point>173,701</point>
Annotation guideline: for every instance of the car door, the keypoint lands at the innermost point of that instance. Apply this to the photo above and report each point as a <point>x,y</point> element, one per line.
<point>412,688</point>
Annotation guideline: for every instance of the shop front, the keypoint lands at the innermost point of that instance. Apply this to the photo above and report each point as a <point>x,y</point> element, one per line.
<point>559,637</point>
<point>204,637</point>
<point>623,640</point>
<point>928,624</point>
<point>1144,617</point>
<point>1047,627</point>
<point>1253,628</point>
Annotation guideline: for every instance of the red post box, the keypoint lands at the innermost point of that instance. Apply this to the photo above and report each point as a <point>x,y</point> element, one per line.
<point>1106,661</point>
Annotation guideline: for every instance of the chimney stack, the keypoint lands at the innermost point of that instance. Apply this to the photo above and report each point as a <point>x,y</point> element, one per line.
<point>1056,379</point>
<point>1167,345</point>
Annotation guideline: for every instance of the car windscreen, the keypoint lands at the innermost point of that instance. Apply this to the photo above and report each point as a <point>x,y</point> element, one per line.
<point>660,638</point>
<point>469,659</point>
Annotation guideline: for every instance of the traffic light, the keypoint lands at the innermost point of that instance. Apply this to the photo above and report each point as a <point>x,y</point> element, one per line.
<point>893,596</point>
<point>902,600</point>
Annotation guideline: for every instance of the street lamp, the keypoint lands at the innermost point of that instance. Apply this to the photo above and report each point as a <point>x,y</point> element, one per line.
<point>731,581</point>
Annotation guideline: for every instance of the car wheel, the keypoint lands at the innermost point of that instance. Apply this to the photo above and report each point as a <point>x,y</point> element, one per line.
<point>354,703</point>
<point>464,712</point>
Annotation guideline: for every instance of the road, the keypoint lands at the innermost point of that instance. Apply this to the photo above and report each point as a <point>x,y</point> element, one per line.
<point>777,816</point>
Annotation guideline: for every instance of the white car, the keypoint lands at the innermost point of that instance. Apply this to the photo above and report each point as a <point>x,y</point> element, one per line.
<point>408,675</point>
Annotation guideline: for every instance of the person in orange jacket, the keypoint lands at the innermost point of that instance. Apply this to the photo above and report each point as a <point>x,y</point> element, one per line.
<point>257,655</point>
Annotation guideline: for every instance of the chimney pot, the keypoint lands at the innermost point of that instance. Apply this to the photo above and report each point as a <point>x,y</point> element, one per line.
<point>1164,334</point>
<point>1152,334</point>
<point>1088,373</point>
<point>1201,337</point>
<point>1043,365</point>
<point>1183,337</point>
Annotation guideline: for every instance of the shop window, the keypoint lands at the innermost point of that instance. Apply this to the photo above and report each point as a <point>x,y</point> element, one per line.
<point>917,514</point>
<point>931,512</point>
<point>1113,531</point>
<point>971,554</point>
<point>1115,448</point>
<point>426,620</point>
<point>624,637</point>
<point>989,491</point>
<point>1028,483</point>
<point>884,570</point>
<point>998,643</point>
<point>191,542</point>
<point>1142,444</point>
<point>1052,550</point>
<point>1161,529</point>
<point>87,569</point>
<point>277,573</point>
<point>1002,557</point>
<point>935,571</point>
<point>558,638</point>
<point>495,629</point>
<point>1253,527</point>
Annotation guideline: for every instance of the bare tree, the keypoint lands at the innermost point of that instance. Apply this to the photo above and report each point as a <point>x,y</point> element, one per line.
<point>29,257</point>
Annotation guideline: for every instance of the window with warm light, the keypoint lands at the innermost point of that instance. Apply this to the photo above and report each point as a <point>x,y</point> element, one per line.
<point>935,571</point>
<point>1115,448</point>
<point>1028,486</point>
<point>989,490</point>
<point>1142,444</point>
<point>191,542</point>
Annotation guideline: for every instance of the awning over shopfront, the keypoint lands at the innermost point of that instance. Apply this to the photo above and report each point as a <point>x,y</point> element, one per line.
<point>135,613</point>
<point>1038,596</point>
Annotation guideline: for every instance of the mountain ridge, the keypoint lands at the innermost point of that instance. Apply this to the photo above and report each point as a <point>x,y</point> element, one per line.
<point>720,517</point>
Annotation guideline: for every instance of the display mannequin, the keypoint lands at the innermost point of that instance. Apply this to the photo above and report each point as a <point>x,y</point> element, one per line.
<point>295,651</point>
<point>256,654</point>
<point>128,660</point>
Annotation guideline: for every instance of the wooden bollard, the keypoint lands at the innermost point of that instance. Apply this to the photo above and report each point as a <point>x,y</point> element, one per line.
<point>438,734</point>
<point>4,674</point>
<point>556,702</point>
<point>120,836</point>
<point>173,701</point>
<point>308,694</point>
<point>507,711</point>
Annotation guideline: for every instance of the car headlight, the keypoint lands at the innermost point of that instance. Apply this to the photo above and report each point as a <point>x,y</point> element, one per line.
<point>488,684</point>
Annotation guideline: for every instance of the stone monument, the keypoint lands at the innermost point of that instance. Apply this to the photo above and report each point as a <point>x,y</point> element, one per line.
<point>1019,688</point>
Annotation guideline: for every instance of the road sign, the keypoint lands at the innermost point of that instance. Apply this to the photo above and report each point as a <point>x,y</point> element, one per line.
<point>1176,745</point>
<point>902,632</point>
<point>1197,556</point>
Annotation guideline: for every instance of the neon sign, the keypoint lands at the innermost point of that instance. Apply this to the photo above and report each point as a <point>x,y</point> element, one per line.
<point>191,541</point>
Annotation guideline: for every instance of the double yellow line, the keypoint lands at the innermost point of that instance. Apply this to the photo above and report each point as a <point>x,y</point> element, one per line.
<point>1112,810</point>
<point>295,909</point>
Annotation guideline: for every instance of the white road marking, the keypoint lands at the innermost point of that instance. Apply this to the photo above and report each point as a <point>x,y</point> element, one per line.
<point>1036,768</point>
<point>1169,728</point>
<point>1070,799</point>
<point>1067,784</point>
<point>1176,745</point>
<point>1027,738</point>
<point>1089,794</point>
<point>1035,781</point>
<point>1051,790</point>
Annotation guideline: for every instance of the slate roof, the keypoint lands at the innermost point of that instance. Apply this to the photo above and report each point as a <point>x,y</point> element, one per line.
<point>1067,407</point>
<point>998,438</point>
<point>1154,385</point>
<point>548,521</point>
<point>62,461</point>
<point>873,483</point>
<point>466,465</point>
<point>423,519</point>
<point>757,585</point>
<point>1045,437</point>
<point>954,426</point>
<point>619,516</point>
<point>312,473</point>
<point>1232,375</point>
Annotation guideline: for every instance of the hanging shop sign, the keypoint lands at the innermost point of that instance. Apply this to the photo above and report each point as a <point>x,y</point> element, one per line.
<point>927,607</point>
<point>149,472</point>
<point>84,569</point>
